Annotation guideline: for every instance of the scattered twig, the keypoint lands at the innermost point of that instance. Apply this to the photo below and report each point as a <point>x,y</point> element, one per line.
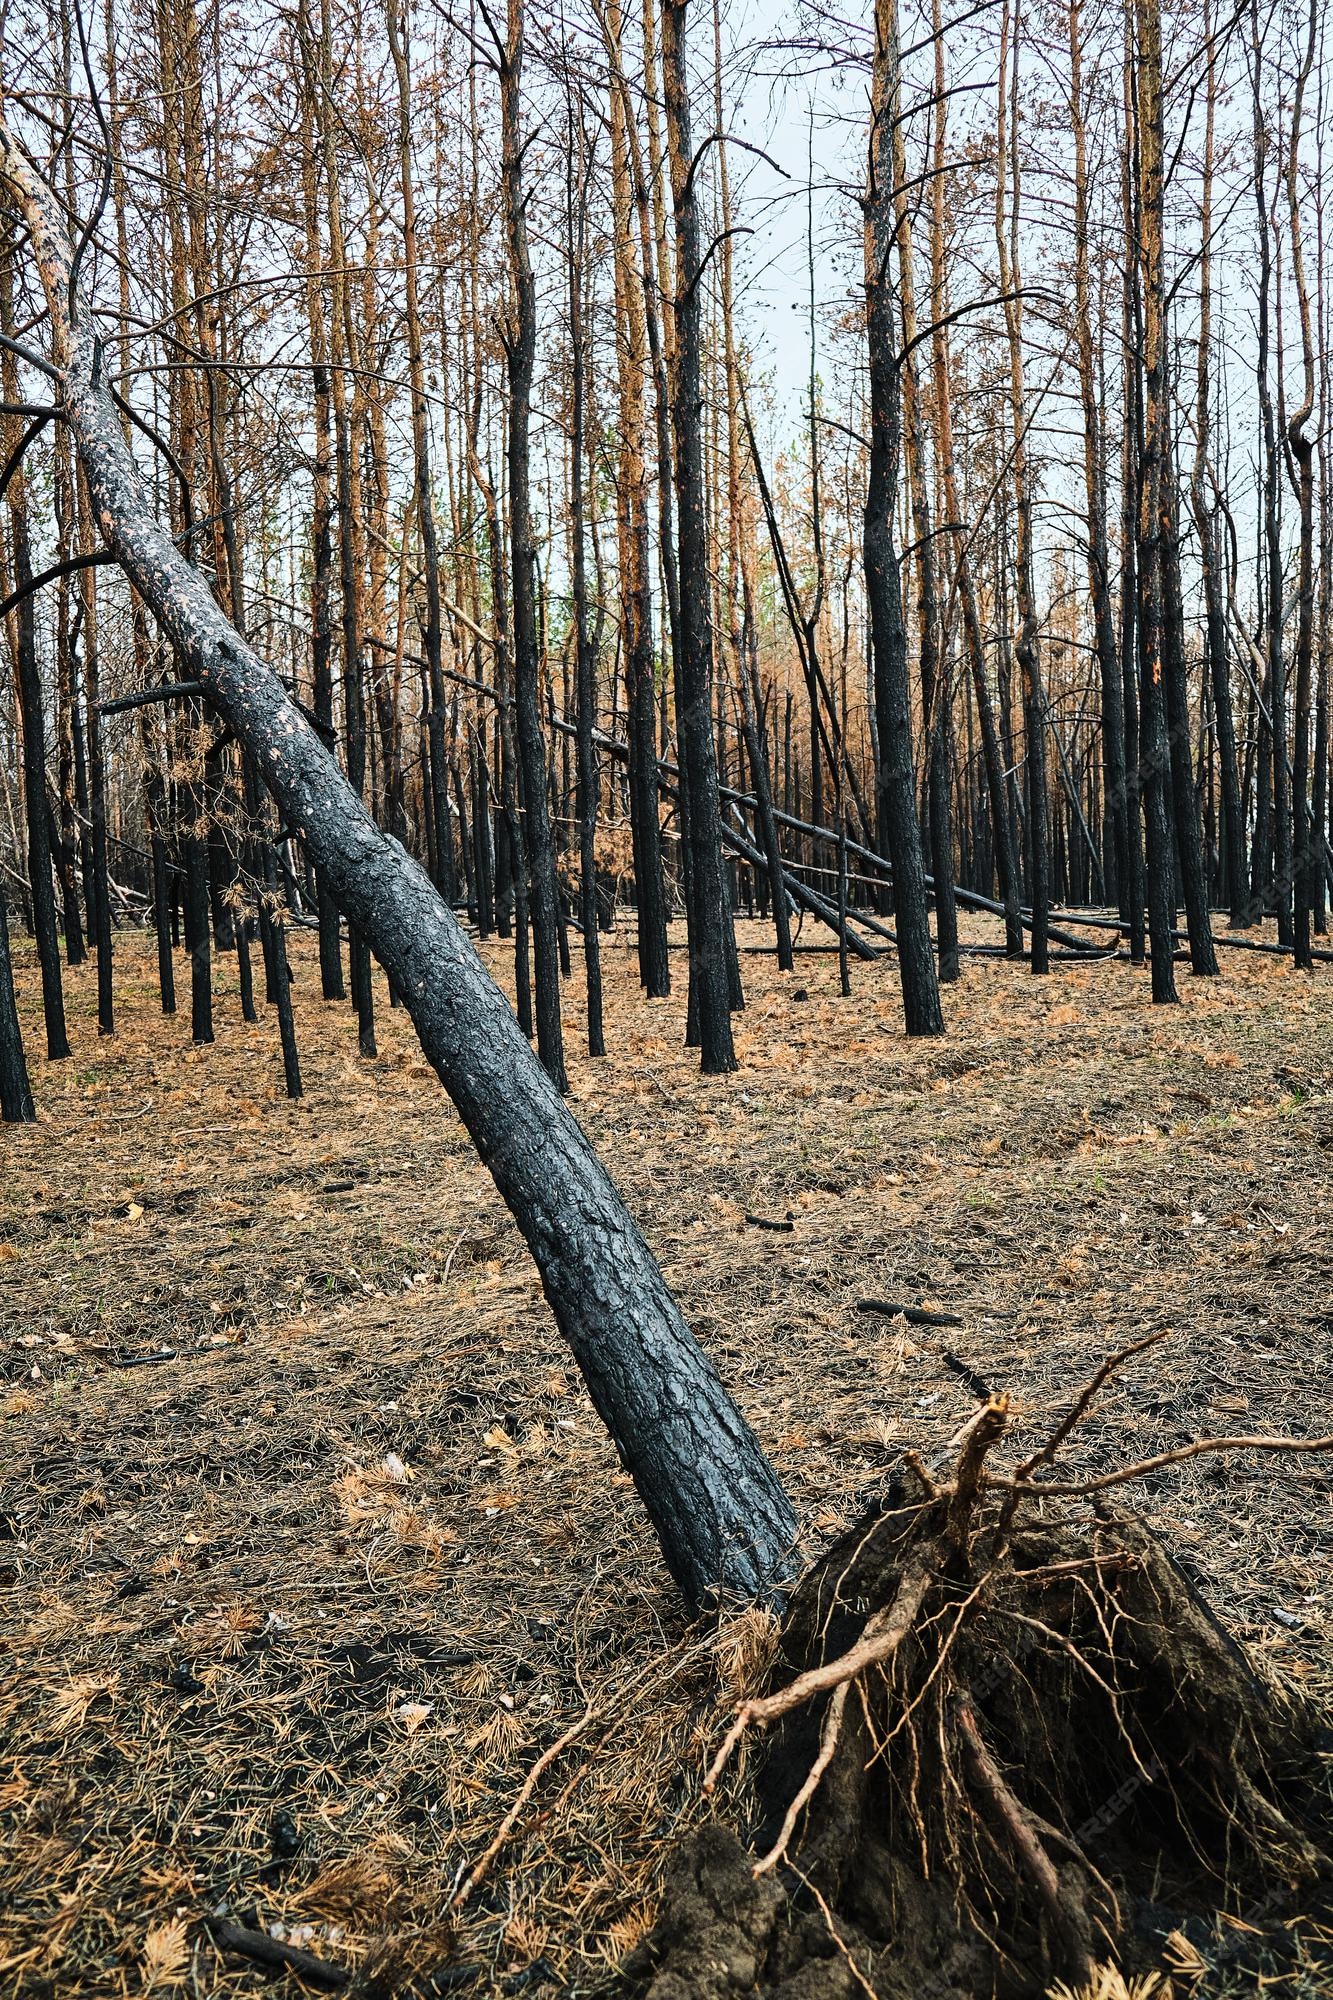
<point>1047,1451</point>
<point>268,1951</point>
<point>966,1374</point>
<point>449,1260</point>
<point>511,1818</point>
<point>1069,1489</point>
<point>914,1315</point>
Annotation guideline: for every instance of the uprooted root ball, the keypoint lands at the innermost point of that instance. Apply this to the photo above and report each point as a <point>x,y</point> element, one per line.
<point>1017,1745</point>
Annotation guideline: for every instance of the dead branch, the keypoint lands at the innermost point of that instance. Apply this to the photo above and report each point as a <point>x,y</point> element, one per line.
<point>511,1818</point>
<point>976,1439</point>
<point>261,1949</point>
<point>1075,1489</point>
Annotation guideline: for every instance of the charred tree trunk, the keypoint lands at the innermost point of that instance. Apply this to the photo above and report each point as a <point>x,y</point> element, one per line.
<point>1185,802</point>
<point>707,910</point>
<point>16,1106</point>
<point>585,672</point>
<point>1152,526</point>
<point>1115,844</point>
<point>40,882</point>
<point>1307,861</point>
<point>1005,854</point>
<point>899,829</point>
<point>719,1511</point>
<point>637,607</point>
<point>520,351</point>
<point>1274,779</point>
<point>1217,659</point>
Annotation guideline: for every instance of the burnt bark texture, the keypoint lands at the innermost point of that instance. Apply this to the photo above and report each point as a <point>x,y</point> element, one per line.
<point>16,1106</point>
<point>898,827</point>
<point>707,908</point>
<point>721,1516</point>
<point>521,352</point>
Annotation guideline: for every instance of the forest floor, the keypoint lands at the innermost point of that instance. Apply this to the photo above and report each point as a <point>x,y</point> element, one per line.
<point>285,1618</point>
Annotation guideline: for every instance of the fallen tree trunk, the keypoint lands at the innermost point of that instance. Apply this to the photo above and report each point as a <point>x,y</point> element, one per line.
<point>803,897</point>
<point>720,1513</point>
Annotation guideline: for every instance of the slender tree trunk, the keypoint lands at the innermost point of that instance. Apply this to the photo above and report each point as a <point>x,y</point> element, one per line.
<point>935,691</point>
<point>633,540</point>
<point>899,829</point>
<point>1027,648</point>
<point>585,676</point>
<point>100,912</point>
<point>520,350</point>
<point>1185,802</point>
<point>16,1106</point>
<point>34,787</point>
<point>1153,519</point>
<point>435,776</point>
<point>1306,860</point>
<point>1274,768</point>
<point>709,916</point>
<point>1115,846</point>
<point>1208,527</point>
<point>1006,859</point>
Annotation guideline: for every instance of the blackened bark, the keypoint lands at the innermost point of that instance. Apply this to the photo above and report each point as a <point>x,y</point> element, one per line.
<point>1153,510</point>
<point>520,350</point>
<point>291,1065</point>
<point>198,933</point>
<point>1136,887</point>
<point>34,792</point>
<point>244,971</point>
<point>16,1106</point>
<point>435,773</point>
<point>899,830</point>
<point>1155,761</point>
<point>844,970</point>
<point>1274,771</point>
<point>935,701</point>
<point>1034,767</point>
<point>1184,798</point>
<point>632,312</point>
<point>706,905</point>
<point>585,692</point>
<point>1002,826</point>
<point>321,664</point>
<point>756,751</point>
<point>162,887</point>
<point>1218,667</point>
<point>62,855</point>
<point>363,992</point>
<point>649,882</point>
<point>483,857</point>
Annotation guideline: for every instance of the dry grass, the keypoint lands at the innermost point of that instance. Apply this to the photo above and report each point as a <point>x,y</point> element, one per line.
<point>332,1578</point>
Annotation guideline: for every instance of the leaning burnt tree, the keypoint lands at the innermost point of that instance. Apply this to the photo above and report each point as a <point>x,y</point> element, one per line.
<point>720,1514</point>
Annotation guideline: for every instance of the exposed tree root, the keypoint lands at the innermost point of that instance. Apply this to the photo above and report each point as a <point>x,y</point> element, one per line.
<point>1011,1737</point>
